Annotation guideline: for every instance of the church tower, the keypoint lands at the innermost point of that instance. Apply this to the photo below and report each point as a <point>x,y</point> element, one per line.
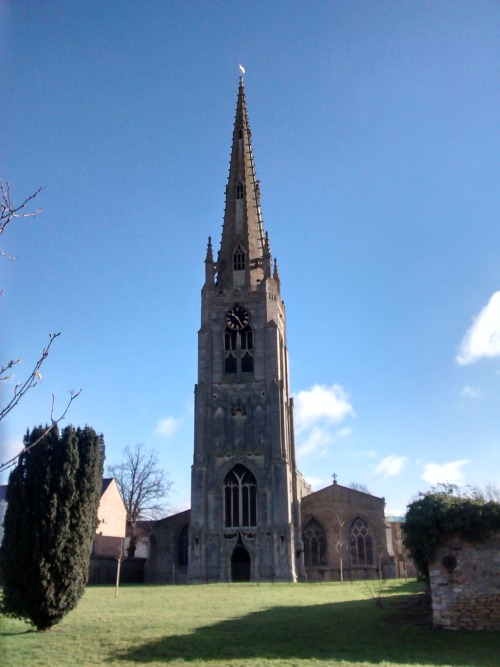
<point>245,514</point>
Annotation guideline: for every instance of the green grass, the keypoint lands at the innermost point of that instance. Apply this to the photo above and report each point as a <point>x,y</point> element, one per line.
<point>243,625</point>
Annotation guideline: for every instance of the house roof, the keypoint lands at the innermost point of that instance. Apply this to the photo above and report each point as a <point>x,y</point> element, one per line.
<point>105,483</point>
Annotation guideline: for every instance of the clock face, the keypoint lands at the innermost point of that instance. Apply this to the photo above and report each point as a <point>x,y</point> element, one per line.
<point>237,318</point>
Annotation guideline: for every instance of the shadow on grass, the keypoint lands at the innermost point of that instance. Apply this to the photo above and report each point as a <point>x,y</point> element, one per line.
<point>354,631</point>
<point>13,634</point>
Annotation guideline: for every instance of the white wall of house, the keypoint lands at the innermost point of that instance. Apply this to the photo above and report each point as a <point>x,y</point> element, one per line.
<point>111,513</point>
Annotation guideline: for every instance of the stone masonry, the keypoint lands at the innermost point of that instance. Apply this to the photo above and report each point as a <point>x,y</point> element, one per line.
<point>465,584</point>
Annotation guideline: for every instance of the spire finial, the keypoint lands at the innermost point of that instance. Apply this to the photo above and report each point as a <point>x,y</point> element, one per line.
<point>275,272</point>
<point>209,250</point>
<point>209,264</point>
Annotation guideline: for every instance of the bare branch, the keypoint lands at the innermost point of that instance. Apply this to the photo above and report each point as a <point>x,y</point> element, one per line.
<point>8,367</point>
<point>9,210</point>
<point>54,422</point>
<point>32,380</point>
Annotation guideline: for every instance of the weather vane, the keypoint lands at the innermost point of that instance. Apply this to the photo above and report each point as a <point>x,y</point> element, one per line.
<point>242,69</point>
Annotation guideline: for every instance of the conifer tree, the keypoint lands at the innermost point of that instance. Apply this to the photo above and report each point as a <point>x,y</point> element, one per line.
<point>51,518</point>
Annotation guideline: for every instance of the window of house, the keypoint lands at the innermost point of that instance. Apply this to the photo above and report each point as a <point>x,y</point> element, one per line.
<point>240,498</point>
<point>314,539</point>
<point>360,543</point>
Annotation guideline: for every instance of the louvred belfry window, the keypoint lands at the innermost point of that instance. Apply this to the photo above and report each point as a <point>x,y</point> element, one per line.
<point>239,191</point>
<point>238,351</point>
<point>230,352</point>
<point>239,259</point>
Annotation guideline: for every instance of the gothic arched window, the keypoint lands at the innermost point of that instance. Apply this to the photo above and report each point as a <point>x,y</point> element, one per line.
<point>239,191</point>
<point>182,547</point>
<point>314,539</point>
<point>360,542</point>
<point>239,259</point>
<point>240,498</point>
<point>238,351</point>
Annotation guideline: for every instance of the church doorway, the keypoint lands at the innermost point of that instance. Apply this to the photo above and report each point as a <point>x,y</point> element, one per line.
<point>240,564</point>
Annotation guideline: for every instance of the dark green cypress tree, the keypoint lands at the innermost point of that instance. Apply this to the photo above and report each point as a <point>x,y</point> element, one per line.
<point>51,519</point>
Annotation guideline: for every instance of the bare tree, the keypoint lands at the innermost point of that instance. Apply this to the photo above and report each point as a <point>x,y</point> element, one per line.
<point>490,492</point>
<point>357,486</point>
<point>144,487</point>
<point>10,211</point>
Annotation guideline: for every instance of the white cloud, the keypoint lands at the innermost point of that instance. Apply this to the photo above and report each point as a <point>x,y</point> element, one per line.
<point>483,338</point>
<point>317,412</point>
<point>315,441</point>
<point>391,466</point>
<point>450,473</point>
<point>327,405</point>
<point>363,454</point>
<point>471,392</point>
<point>167,427</point>
<point>316,482</point>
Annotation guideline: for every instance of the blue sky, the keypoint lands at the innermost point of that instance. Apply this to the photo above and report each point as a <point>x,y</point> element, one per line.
<point>375,133</point>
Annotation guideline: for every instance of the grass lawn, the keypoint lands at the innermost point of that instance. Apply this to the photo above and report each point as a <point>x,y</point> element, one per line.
<point>303,625</point>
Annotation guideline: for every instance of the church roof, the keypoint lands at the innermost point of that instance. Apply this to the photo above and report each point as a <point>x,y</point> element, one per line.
<point>243,230</point>
<point>338,491</point>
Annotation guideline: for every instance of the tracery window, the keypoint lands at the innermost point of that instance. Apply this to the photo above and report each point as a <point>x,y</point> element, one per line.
<point>240,498</point>
<point>238,351</point>
<point>239,259</point>
<point>360,543</point>
<point>314,539</point>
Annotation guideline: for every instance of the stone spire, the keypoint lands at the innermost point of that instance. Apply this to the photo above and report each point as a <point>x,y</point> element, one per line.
<point>209,264</point>
<point>241,255</point>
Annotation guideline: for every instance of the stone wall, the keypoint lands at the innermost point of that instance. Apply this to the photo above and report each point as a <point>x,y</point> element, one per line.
<point>163,565</point>
<point>465,584</point>
<point>404,567</point>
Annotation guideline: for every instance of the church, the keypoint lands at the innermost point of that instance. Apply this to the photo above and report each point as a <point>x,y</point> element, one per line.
<point>253,517</point>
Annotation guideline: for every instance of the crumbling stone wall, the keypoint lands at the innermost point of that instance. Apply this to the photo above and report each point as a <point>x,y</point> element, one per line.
<point>465,584</point>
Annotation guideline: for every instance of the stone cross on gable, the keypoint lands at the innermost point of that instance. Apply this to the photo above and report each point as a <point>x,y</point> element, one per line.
<point>334,477</point>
